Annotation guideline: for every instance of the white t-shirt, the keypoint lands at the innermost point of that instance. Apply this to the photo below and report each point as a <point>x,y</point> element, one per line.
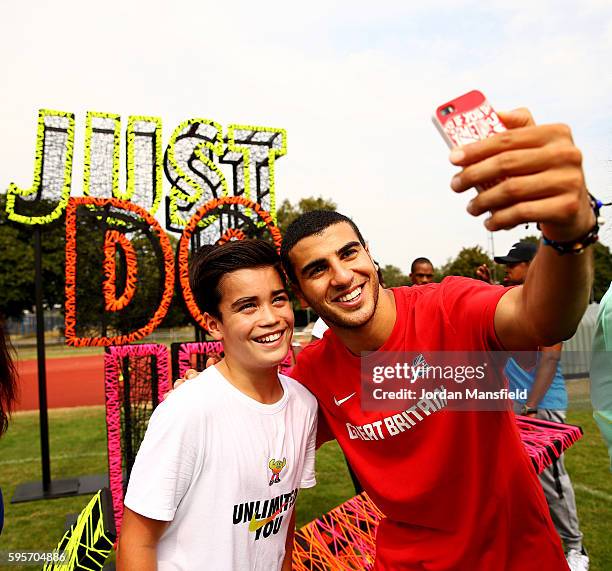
<point>225,470</point>
<point>319,329</point>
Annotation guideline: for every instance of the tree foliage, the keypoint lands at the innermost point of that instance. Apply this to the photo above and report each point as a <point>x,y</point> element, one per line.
<point>393,276</point>
<point>602,258</point>
<point>17,265</point>
<point>466,262</point>
<point>288,212</point>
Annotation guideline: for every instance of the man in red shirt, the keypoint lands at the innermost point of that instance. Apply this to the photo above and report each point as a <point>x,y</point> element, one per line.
<point>457,487</point>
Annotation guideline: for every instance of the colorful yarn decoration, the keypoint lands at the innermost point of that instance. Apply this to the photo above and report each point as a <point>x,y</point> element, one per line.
<point>183,252</point>
<point>545,441</point>
<point>135,171</point>
<point>102,150</point>
<point>186,352</point>
<point>71,261</point>
<point>88,543</point>
<point>98,128</point>
<point>112,240</point>
<point>52,125</point>
<point>231,234</point>
<point>208,137</point>
<point>342,539</point>
<point>259,147</point>
<point>115,401</point>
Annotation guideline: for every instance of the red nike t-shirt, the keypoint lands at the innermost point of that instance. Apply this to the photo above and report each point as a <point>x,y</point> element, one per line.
<point>457,487</point>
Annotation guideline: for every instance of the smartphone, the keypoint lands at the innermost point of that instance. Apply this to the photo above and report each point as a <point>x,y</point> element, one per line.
<point>467,119</point>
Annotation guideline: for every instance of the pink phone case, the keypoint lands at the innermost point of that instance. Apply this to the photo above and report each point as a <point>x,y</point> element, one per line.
<point>467,119</point>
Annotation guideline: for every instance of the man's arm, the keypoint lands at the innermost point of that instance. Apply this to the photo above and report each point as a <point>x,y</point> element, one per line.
<point>545,373</point>
<point>541,180</point>
<point>137,550</point>
<point>287,561</point>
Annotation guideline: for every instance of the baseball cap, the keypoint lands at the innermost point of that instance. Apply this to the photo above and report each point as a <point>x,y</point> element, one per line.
<point>520,252</point>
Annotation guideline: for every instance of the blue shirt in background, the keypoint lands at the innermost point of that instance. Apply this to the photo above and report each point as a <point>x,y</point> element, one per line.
<point>519,378</point>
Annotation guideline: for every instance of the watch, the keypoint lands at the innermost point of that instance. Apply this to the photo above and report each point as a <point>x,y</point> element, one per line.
<point>525,410</point>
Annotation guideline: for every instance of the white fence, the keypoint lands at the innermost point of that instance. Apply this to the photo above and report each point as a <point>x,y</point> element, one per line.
<point>576,355</point>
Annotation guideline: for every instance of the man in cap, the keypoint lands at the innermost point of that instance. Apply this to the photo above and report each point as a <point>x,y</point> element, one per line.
<point>517,262</point>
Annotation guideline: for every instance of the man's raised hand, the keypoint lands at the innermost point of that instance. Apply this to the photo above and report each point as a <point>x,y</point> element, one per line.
<point>540,176</point>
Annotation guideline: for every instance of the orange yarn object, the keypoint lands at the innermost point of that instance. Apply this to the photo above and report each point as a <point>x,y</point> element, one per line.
<point>343,539</point>
<point>112,240</point>
<point>183,252</point>
<point>71,261</point>
<point>231,234</point>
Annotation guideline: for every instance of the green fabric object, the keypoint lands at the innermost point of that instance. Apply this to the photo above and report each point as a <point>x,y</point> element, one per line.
<point>601,370</point>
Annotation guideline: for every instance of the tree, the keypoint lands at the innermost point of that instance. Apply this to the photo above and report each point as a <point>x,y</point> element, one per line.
<point>17,265</point>
<point>393,276</point>
<point>466,262</point>
<point>287,212</point>
<point>602,259</point>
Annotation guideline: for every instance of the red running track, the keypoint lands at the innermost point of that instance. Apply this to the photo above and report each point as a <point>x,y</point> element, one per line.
<point>71,381</point>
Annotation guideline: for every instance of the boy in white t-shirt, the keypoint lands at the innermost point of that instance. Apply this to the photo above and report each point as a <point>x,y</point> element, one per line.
<point>217,475</point>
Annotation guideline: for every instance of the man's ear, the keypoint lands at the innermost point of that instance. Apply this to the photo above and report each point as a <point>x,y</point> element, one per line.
<point>214,326</point>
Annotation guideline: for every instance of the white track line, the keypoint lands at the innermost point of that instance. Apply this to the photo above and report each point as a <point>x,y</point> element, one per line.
<point>58,457</point>
<point>593,492</point>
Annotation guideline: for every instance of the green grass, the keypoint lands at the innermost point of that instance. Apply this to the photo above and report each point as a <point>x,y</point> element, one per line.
<point>78,447</point>
<point>77,443</point>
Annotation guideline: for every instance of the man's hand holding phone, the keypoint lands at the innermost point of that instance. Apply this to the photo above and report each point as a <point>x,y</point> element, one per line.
<point>540,176</point>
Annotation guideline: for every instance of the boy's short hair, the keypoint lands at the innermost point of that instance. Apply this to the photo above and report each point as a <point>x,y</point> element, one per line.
<point>308,224</point>
<point>211,263</point>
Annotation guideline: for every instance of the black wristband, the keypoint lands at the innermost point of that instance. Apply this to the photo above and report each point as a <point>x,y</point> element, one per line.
<point>580,244</point>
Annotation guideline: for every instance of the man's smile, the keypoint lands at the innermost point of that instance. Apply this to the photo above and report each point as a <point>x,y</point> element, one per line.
<point>351,296</point>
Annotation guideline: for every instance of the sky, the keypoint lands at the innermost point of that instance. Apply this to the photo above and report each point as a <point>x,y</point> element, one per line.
<point>353,83</point>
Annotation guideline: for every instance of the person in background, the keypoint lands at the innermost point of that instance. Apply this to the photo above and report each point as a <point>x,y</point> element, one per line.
<point>601,370</point>
<point>547,400</point>
<point>421,272</point>
<point>8,393</point>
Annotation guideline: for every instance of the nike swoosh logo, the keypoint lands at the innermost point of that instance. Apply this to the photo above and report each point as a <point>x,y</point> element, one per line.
<point>339,402</point>
<point>255,524</point>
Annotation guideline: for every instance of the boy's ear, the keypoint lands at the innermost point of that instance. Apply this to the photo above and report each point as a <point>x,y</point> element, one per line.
<point>213,326</point>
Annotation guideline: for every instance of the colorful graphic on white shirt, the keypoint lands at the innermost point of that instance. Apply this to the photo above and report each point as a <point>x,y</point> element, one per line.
<point>225,470</point>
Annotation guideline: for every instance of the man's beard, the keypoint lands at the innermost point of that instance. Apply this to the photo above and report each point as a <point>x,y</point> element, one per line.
<point>331,319</point>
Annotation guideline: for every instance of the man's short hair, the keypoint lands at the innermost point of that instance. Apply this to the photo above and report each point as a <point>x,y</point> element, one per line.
<point>418,261</point>
<point>211,263</point>
<point>309,224</point>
